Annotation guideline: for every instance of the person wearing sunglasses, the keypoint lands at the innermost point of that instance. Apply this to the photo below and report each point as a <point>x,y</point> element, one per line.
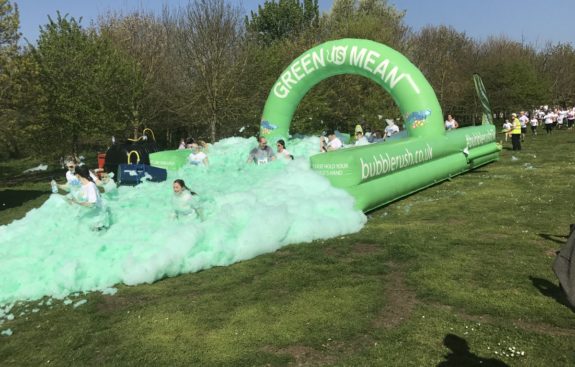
<point>282,151</point>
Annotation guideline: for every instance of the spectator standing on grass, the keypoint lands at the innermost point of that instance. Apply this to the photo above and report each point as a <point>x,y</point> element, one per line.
<point>515,132</point>
<point>507,129</point>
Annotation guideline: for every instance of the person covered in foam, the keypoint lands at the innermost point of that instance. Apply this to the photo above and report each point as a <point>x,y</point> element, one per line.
<point>185,202</point>
<point>197,157</point>
<point>72,182</point>
<point>261,154</point>
<point>94,212</point>
<point>282,151</point>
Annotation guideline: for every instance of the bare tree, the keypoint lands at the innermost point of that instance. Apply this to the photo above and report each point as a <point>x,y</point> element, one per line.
<point>208,36</point>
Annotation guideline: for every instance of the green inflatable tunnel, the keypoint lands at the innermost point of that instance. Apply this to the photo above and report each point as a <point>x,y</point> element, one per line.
<point>377,174</point>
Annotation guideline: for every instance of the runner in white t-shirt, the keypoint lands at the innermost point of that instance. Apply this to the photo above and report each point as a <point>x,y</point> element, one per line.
<point>523,120</point>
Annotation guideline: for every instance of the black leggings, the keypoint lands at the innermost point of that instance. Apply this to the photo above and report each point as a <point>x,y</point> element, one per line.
<point>548,128</point>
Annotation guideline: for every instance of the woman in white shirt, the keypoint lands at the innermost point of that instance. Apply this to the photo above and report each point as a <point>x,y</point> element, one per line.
<point>450,123</point>
<point>197,157</point>
<point>89,197</point>
<point>282,151</point>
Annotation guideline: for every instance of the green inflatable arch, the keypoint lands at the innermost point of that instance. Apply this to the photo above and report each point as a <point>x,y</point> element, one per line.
<point>377,174</point>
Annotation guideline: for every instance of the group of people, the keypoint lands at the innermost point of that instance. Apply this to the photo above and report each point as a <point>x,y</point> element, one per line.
<point>516,126</point>
<point>330,141</point>
<point>263,153</point>
<point>82,187</point>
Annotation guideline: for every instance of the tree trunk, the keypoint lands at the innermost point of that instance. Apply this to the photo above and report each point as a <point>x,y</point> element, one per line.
<point>213,121</point>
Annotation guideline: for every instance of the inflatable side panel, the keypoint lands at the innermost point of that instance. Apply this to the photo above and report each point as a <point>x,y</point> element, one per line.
<point>170,159</point>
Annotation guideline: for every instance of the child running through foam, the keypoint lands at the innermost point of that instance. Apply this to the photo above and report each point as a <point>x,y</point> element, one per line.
<point>185,202</point>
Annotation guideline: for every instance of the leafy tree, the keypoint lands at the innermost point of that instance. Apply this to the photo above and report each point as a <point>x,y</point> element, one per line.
<point>142,42</point>
<point>447,58</point>
<point>84,81</point>
<point>510,74</point>
<point>282,19</point>
<point>558,68</point>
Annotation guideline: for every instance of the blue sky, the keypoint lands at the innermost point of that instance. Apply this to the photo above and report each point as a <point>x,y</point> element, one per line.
<point>535,22</point>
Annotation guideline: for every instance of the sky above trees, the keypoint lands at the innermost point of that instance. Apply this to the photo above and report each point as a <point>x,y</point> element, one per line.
<point>531,21</point>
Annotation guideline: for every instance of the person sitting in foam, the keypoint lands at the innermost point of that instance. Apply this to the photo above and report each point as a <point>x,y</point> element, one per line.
<point>359,138</point>
<point>391,128</point>
<point>332,143</point>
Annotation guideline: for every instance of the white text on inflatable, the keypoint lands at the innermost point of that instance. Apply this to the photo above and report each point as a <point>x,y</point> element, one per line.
<point>363,58</point>
<point>383,164</point>
<point>477,139</point>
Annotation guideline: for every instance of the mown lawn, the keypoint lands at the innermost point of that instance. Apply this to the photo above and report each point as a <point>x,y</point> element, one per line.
<point>456,275</point>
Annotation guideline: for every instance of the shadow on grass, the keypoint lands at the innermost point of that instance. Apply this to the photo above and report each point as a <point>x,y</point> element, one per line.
<point>13,198</point>
<point>549,289</point>
<point>460,356</point>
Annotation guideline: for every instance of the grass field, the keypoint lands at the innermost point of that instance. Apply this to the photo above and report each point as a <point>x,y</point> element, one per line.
<point>456,275</point>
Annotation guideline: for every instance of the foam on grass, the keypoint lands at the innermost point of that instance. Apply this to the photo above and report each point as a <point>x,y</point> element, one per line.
<point>248,210</point>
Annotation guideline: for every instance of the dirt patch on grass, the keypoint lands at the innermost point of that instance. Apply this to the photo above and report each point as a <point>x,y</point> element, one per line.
<point>110,304</point>
<point>303,356</point>
<point>400,301</point>
<point>365,248</point>
<point>541,328</point>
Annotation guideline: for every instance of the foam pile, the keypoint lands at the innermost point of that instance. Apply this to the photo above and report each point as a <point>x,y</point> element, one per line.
<point>248,210</point>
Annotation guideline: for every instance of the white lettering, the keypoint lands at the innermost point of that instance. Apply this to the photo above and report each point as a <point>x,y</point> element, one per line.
<point>286,78</point>
<point>318,59</point>
<point>355,58</point>
<point>280,90</point>
<point>295,68</point>
<point>305,61</point>
<point>371,56</point>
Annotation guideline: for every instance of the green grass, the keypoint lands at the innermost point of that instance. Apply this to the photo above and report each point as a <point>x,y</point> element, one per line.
<point>466,263</point>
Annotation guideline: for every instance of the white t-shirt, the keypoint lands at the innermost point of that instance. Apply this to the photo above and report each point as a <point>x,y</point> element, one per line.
<point>72,179</point>
<point>534,121</point>
<point>507,125</point>
<point>549,118</point>
<point>391,130</point>
<point>362,141</point>
<point>334,144</point>
<point>90,193</point>
<point>284,154</point>
<point>449,124</point>
<point>523,120</point>
<point>197,158</point>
